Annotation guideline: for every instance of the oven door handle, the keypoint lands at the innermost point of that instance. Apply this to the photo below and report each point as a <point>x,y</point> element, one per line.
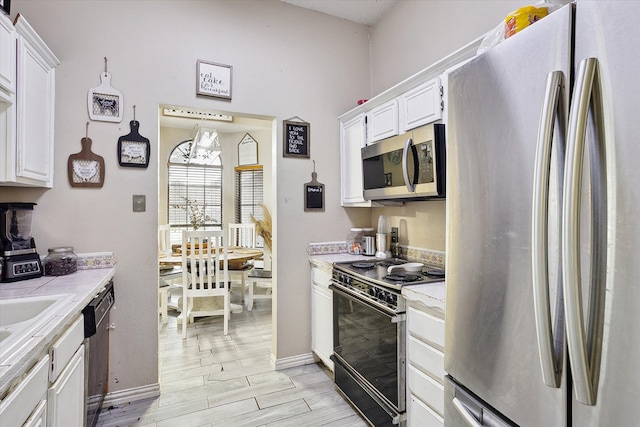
<point>393,317</point>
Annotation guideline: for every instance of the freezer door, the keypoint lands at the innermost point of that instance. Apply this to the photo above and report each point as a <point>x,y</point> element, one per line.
<point>608,32</point>
<point>495,103</point>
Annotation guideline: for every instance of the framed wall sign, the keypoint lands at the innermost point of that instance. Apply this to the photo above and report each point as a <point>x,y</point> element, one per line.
<point>6,6</point>
<point>296,135</point>
<point>213,79</point>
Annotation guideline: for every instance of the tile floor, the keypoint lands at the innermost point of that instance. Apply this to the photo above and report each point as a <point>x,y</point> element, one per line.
<point>216,380</point>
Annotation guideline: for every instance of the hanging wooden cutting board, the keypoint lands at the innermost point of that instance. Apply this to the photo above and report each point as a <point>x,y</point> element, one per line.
<point>85,169</point>
<point>134,149</point>
<point>104,102</point>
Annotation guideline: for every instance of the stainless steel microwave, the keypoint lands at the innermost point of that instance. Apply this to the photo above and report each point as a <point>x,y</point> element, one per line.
<point>407,166</point>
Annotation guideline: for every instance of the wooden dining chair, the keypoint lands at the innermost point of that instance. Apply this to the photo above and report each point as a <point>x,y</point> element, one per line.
<point>205,277</point>
<point>242,236</point>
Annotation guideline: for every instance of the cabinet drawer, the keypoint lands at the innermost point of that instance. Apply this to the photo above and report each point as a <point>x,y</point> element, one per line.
<point>426,327</point>
<point>20,403</point>
<point>426,358</point>
<point>426,388</point>
<point>420,415</point>
<point>321,277</point>
<point>63,349</point>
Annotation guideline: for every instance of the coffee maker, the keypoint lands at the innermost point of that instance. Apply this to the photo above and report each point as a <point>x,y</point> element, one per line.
<point>20,260</point>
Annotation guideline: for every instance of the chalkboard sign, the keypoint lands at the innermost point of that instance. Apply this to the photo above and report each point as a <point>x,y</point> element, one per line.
<point>296,135</point>
<point>314,193</point>
<point>314,197</point>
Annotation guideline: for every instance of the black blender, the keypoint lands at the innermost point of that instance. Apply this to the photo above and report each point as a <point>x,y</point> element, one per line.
<point>20,260</point>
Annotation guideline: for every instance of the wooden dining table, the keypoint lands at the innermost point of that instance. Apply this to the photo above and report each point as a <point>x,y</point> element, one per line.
<point>170,268</point>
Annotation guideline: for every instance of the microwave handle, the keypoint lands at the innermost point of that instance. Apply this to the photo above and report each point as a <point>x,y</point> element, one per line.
<point>411,186</point>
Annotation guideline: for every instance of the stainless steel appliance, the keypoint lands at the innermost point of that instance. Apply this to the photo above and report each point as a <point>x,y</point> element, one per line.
<point>96,333</point>
<point>407,166</point>
<point>542,252</point>
<point>20,260</point>
<point>369,336</point>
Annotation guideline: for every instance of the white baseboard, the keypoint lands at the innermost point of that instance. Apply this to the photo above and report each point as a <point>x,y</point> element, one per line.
<point>293,361</point>
<point>121,397</point>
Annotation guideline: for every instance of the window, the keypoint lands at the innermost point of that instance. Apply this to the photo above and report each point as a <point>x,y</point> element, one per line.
<point>194,175</point>
<point>249,194</point>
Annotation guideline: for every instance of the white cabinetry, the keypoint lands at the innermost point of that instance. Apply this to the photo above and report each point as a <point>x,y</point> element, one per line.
<point>65,399</point>
<point>28,401</point>
<point>425,366</point>
<point>322,312</point>
<point>352,139</point>
<point>7,55</point>
<point>421,105</point>
<point>382,121</point>
<point>27,145</point>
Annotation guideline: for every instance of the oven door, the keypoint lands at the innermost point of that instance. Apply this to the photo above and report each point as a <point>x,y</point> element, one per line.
<point>370,343</point>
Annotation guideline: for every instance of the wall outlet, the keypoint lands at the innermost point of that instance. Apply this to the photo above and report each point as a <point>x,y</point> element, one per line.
<point>139,203</point>
<point>394,234</point>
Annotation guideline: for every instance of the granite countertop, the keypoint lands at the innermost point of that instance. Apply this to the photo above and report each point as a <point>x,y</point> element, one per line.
<point>430,295</point>
<point>328,259</point>
<point>82,287</point>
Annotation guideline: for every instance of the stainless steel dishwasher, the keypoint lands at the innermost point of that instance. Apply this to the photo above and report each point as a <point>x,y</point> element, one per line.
<point>96,333</point>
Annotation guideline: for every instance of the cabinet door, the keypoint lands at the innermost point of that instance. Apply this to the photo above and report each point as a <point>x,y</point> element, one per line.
<point>421,105</point>
<point>322,324</point>
<point>382,122</point>
<point>7,55</point>
<point>35,102</point>
<point>18,405</point>
<point>66,397</point>
<point>38,417</point>
<point>352,139</point>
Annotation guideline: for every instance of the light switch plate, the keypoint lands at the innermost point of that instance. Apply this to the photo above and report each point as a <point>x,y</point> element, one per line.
<point>139,203</point>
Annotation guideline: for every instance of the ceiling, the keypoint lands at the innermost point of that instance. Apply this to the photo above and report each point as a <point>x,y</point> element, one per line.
<point>365,12</point>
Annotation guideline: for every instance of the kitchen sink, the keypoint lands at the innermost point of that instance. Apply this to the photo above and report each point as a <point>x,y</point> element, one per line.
<point>21,318</point>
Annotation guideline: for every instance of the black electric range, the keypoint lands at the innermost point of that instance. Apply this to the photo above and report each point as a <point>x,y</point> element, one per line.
<point>376,271</point>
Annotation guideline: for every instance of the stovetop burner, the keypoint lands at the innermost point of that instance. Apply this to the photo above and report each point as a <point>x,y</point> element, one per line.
<point>364,265</point>
<point>403,278</point>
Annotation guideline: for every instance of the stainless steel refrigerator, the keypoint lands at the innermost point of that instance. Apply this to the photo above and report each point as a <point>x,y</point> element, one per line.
<point>543,234</point>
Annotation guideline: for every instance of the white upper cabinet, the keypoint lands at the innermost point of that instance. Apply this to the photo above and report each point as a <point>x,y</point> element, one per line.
<point>382,121</point>
<point>421,105</point>
<point>7,55</point>
<point>352,139</point>
<point>27,147</point>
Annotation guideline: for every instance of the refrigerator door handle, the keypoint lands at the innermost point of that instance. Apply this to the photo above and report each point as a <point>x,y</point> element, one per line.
<point>552,112</point>
<point>465,412</point>
<point>585,349</point>
<point>411,186</point>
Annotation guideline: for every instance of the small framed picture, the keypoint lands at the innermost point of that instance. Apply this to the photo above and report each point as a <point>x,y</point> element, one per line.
<point>5,5</point>
<point>133,153</point>
<point>213,79</point>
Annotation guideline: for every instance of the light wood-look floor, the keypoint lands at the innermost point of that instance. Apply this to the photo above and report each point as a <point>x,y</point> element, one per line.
<point>216,380</point>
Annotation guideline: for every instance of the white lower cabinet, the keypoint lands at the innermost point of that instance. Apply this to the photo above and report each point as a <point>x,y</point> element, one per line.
<point>322,314</point>
<point>25,402</point>
<point>66,395</point>
<point>38,417</point>
<point>425,366</point>
<point>65,398</point>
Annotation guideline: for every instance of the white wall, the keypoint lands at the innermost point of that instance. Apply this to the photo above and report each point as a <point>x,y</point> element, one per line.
<point>414,34</point>
<point>286,62</point>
